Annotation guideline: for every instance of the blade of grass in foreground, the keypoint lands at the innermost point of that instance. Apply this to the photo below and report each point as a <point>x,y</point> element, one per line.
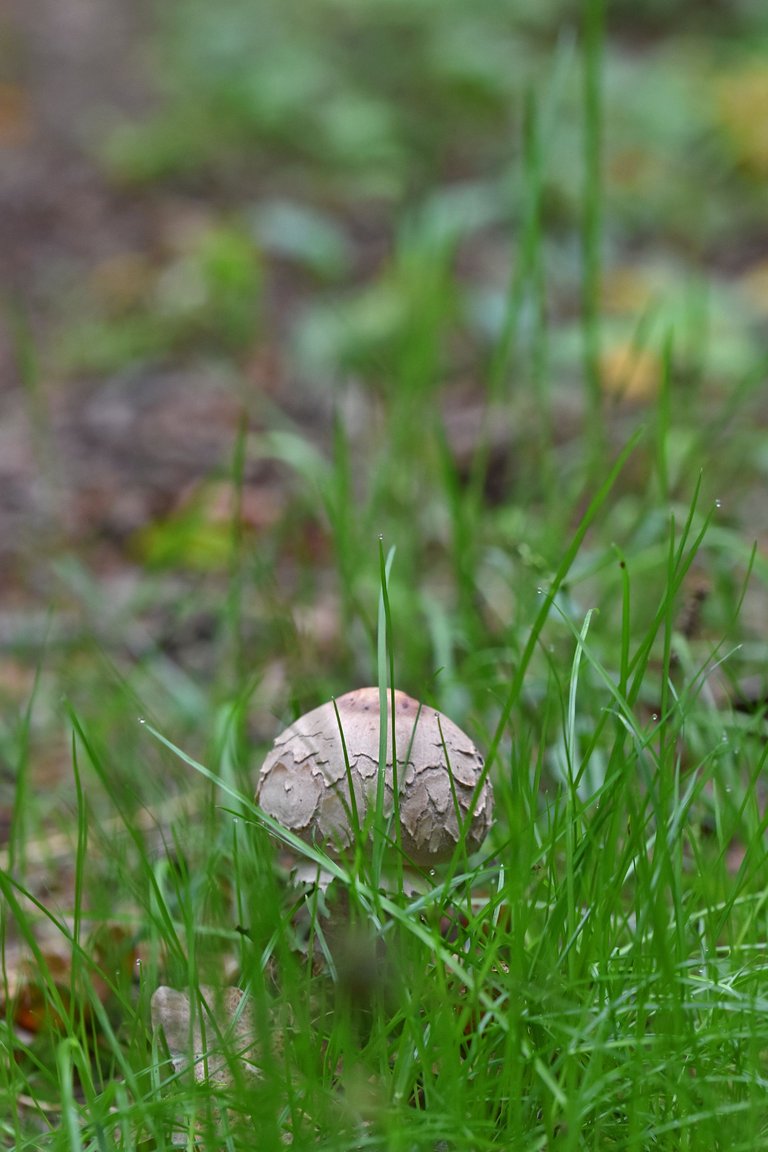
<point>386,672</point>
<point>165,921</point>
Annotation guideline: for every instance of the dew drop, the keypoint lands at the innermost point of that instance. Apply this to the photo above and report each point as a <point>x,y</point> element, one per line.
<point>539,591</point>
<point>142,720</point>
<point>654,716</point>
<point>718,503</point>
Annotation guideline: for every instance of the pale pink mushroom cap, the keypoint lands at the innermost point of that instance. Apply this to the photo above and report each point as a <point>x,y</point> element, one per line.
<point>303,783</point>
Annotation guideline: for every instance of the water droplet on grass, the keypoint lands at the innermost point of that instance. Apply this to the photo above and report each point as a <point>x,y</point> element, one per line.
<point>718,503</point>
<point>142,720</point>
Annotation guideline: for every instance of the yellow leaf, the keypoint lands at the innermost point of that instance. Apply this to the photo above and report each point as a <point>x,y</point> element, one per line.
<point>741,98</point>
<point>630,374</point>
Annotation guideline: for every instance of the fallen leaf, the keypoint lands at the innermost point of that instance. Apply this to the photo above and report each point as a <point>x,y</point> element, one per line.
<point>754,284</point>
<point>738,98</point>
<point>15,115</point>
<point>32,1008</point>
<point>630,290</point>
<point>122,282</point>
<point>630,374</point>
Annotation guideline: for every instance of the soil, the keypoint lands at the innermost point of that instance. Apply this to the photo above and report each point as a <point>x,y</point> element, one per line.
<point>83,462</point>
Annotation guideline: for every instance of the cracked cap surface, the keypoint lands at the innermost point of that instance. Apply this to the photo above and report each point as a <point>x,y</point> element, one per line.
<point>304,785</point>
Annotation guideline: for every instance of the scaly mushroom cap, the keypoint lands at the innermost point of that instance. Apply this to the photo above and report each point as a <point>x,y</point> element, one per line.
<point>304,784</point>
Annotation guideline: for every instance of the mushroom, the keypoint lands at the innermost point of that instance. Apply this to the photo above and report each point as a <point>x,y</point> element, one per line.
<point>443,794</point>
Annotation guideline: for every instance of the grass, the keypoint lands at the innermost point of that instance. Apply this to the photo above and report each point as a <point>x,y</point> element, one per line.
<point>594,977</point>
<point>592,980</point>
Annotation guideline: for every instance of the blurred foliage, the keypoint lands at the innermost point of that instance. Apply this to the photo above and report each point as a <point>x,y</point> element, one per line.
<point>739,93</point>
<point>206,292</point>
<point>379,210</point>
<point>373,98</point>
<point>391,98</point>
<point>444,129</point>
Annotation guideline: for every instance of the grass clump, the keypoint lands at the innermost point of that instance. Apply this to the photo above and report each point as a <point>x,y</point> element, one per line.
<point>591,979</point>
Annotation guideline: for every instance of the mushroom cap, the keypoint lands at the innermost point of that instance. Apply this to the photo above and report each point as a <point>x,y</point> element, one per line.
<point>303,783</point>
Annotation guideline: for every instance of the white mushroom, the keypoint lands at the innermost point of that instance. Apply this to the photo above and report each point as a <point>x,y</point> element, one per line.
<point>305,786</point>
